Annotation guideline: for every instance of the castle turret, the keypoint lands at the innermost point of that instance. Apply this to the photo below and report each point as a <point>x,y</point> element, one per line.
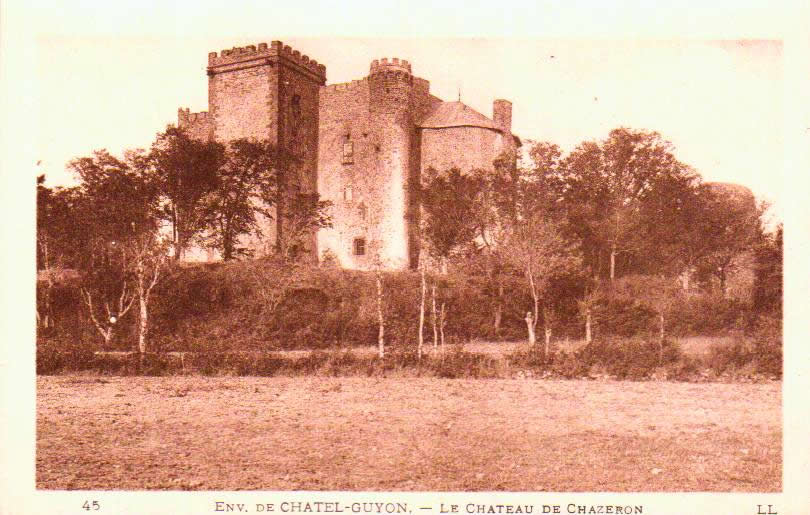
<point>390,94</point>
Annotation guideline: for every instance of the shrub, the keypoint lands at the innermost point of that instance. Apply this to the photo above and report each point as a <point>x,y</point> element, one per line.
<point>759,353</point>
<point>55,355</point>
<point>461,363</point>
<point>629,358</point>
<point>620,316</point>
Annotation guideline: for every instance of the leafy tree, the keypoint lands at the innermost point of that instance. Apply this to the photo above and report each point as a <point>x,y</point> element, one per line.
<point>118,230</point>
<point>450,212</point>
<point>254,184</point>
<point>659,293</point>
<point>303,216</point>
<point>731,223</point>
<point>538,249</point>
<point>185,170</point>
<point>245,183</point>
<point>56,244</point>
<point>606,187</point>
<point>768,273</point>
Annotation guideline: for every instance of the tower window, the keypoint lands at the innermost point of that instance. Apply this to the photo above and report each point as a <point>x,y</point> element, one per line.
<point>347,193</point>
<point>362,211</point>
<point>348,152</point>
<point>359,246</point>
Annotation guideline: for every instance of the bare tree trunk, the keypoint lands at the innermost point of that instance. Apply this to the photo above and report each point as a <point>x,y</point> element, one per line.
<point>175,233</point>
<point>435,329</point>
<point>588,336</point>
<point>441,326</point>
<point>661,339</point>
<point>420,341</point>
<point>498,309</point>
<point>530,327</point>
<point>613,262</point>
<point>143,326</point>
<point>381,334</point>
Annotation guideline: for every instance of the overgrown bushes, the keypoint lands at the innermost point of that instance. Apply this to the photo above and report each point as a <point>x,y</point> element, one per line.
<point>233,317</point>
<point>613,358</point>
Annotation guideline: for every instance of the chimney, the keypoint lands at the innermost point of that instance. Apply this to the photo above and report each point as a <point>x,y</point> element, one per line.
<point>502,115</point>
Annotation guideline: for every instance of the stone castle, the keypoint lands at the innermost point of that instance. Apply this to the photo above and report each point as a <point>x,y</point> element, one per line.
<point>363,145</point>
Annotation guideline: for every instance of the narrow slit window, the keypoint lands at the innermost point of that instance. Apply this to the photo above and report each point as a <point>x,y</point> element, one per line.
<point>348,152</point>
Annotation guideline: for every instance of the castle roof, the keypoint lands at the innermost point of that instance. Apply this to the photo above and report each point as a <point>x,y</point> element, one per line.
<point>456,114</point>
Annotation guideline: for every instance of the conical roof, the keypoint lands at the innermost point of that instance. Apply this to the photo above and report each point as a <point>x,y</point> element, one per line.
<point>456,114</point>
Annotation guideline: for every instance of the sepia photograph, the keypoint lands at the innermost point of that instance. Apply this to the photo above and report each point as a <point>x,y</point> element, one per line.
<point>312,271</point>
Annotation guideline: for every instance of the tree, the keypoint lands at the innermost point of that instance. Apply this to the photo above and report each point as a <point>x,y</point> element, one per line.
<point>450,211</point>
<point>768,273</point>
<point>56,244</point>
<point>185,170</point>
<point>658,292</point>
<point>145,256</point>
<point>118,230</point>
<point>604,188</point>
<point>245,185</point>
<point>540,251</point>
<point>499,202</point>
<point>304,215</point>
<point>731,223</point>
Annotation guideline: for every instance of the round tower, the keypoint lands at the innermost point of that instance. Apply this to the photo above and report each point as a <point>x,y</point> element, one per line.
<point>390,93</point>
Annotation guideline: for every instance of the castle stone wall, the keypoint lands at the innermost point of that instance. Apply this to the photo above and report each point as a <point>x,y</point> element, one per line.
<point>197,125</point>
<point>243,103</point>
<point>466,148</point>
<point>358,144</point>
<point>350,184</point>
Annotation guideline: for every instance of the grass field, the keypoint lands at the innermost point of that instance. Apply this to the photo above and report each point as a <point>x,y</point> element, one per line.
<point>318,433</point>
<point>693,346</point>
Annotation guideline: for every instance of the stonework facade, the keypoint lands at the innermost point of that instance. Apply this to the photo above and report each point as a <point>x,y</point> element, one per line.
<point>362,145</point>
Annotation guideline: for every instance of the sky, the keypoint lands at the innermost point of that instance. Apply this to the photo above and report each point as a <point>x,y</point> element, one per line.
<point>718,101</point>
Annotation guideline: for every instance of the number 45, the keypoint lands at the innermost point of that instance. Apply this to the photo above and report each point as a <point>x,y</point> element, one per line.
<point>91,505</point>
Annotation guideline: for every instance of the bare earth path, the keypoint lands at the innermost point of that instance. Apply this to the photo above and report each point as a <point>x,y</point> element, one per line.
<point>237,433</point>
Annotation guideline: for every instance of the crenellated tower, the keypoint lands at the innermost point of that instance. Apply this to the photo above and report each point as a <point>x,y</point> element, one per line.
<point>397,170</point>
<point>269,92</point>
<point>361,145</point>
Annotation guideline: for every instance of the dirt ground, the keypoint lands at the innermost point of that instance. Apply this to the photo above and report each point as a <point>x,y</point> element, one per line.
<point>413,434</point>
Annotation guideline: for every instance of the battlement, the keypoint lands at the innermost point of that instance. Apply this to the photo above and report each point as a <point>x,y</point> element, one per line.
<point>276,49</point>
<point>346,86</point>
<point>185,117</point>
<point>394,65</point>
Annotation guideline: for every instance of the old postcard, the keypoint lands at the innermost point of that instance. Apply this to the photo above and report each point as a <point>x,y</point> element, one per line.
<point>434,259</point>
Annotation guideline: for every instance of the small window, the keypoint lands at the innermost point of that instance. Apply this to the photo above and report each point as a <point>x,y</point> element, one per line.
<point>296,104</point>
<point>359,246</point>
<point>362,211</point>
<point>348,152</point>
<point>347,193</point>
